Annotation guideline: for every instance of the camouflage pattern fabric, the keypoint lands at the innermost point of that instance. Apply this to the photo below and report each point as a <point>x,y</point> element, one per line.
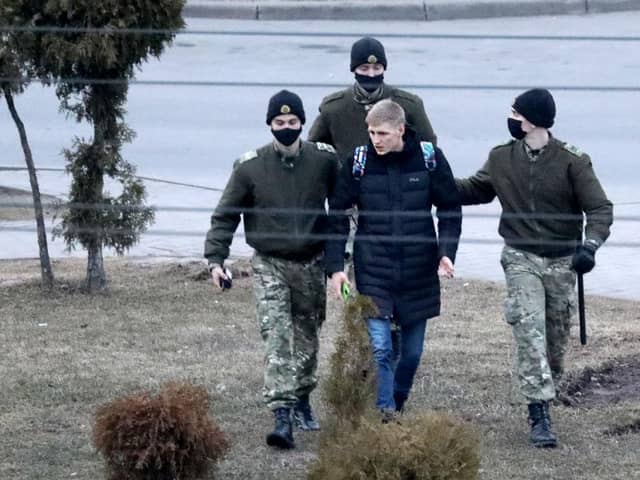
<point>540,306</point>
<point>290,307</point>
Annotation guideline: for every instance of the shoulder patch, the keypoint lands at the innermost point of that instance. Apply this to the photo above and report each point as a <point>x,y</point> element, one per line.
<point>250,155</point>
<point>397,92</point>
<point>325,147</point>
<point>333,97</point>
<point>572,149</point>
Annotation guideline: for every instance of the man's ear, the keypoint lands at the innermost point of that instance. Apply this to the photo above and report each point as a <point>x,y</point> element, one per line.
<point>402,129</point>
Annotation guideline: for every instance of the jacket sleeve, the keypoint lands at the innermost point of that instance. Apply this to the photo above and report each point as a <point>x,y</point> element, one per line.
<point>447,201</point>
<point>226,217</point>
<point>320,131</point>
<point>343,197</point>
<point>477,188</point>
<point>419,122</point>
<point>592,200</point>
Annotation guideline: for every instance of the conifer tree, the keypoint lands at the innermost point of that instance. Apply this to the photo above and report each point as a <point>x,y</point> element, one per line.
<point>90,50</point>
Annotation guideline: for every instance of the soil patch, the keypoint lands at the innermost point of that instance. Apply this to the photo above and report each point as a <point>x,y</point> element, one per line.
<point>615,381</point>
<point>632,426</point>
<point>198,271</point>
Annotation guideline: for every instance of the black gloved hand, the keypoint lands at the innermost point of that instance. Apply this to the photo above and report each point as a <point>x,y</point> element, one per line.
<point>584,259</point>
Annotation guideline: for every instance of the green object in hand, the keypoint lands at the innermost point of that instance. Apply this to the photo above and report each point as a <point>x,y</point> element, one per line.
<point>346,291</point>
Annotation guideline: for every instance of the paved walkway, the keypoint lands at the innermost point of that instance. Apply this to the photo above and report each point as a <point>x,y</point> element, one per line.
<point>390,10</point>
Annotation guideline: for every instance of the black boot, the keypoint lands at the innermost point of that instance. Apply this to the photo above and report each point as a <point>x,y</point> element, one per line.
<point>399,399</point>
<point>303,415</point>
<point>541,434</point>
<point>282,435</point>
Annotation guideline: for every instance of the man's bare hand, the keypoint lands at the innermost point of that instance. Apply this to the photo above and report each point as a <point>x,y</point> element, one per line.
<point>337,279</point>
<point>217,276</point>
<point>446,269</point>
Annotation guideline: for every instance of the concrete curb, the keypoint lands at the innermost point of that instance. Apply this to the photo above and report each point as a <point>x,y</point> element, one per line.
<point>596,6</point>
<point>416,10</point>
<point>237,11</point>
<point>491,9</point>
<point>344,11</point>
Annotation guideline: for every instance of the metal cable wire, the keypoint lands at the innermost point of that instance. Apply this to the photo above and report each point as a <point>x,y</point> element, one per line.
<point>393,239</point>
<point>150,179</point>
<point>294,85</point>
<point>209,209</point>
<point>568,217</point>
<point>284,33</point>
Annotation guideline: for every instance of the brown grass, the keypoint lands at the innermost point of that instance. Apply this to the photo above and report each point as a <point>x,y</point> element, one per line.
<point>157,323</point>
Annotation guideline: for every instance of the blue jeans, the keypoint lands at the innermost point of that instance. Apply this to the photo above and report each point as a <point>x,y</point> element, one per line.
<point>397,358</point>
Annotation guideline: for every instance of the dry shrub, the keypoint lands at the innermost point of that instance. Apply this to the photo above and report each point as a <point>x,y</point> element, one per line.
<point>349,389</point>
<point>428,447</point>
<point>356,445</point>
<point>168,436</point>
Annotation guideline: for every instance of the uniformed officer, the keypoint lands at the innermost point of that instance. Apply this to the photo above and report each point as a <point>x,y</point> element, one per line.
<point>341,122</point>
<point>280,189</point>
<point>544,186</point>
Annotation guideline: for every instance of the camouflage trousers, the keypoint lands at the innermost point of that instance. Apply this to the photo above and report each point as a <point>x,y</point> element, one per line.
<point>540,307</point>
<point>290,307</point>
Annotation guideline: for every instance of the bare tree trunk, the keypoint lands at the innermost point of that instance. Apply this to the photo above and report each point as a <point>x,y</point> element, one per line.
<point>45,262</point>
<point>96,276</point>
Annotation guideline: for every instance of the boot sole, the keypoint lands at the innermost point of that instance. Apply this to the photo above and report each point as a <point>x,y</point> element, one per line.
<point>304,427</point>
<point>547,444</point>
<point>279,441</point>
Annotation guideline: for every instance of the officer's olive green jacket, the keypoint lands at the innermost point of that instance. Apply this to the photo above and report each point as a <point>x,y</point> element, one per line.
<point>341,122</point>
<point>282,202</point>
<point>542,200</point>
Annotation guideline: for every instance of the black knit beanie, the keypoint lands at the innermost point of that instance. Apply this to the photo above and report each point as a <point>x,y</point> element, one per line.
<point>367,50</point>
<point>285,102</point>
<point>537,106</point>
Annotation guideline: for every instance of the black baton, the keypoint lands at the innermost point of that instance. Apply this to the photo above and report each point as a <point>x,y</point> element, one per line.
<point>583,321</point>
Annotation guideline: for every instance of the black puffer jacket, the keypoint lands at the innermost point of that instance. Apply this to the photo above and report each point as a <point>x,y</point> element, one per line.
<point>396,250</point>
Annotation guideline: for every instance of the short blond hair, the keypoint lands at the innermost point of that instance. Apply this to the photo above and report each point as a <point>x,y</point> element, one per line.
<point>386,111</point>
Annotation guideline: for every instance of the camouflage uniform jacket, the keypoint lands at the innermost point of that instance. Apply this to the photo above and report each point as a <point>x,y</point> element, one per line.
<point>263,179</point>
<point>341,122</point>
<point>543,199</point>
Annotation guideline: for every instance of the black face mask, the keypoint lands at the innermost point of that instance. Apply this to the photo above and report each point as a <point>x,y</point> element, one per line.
<point>515,128</point>
<point>287,136</point>
<point>370,84</point>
